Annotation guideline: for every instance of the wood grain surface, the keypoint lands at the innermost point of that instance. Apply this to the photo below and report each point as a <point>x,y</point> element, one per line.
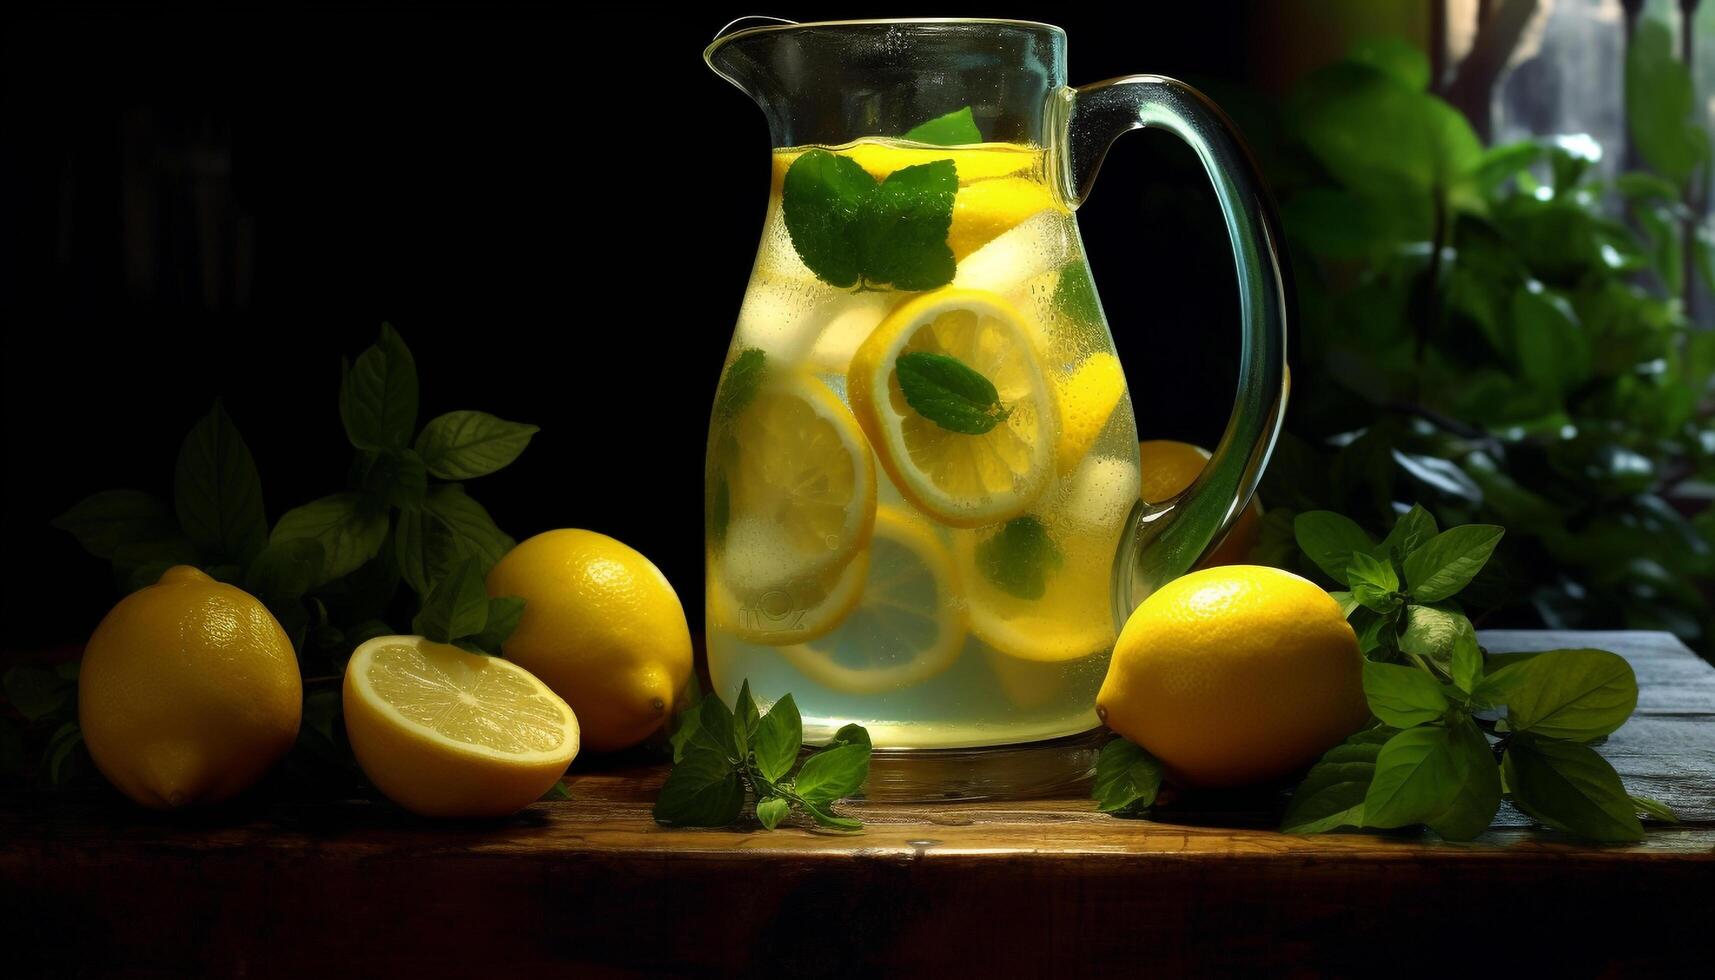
<point>90,886</point>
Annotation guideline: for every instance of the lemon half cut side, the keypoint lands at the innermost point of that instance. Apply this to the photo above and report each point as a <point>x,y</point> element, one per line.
<point>448,733</point>
<point>957,478</point>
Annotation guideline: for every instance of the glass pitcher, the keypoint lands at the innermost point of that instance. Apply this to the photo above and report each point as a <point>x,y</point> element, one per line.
<point>922,488</point>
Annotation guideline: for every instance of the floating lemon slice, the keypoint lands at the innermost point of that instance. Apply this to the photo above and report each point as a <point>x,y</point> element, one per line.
<point>796,481</point>
<point>908,626</point>
<point>446,733</point>
<point>961,479</point>
<point>984,210</point>
<point>1068,614</point>
<point>1088,397</point>
<point>790,612</point>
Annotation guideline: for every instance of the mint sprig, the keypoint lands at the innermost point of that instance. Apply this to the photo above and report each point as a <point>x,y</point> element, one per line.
<point>949,393</point>
<point>723,755</point>
<point>1444,763</point>
<point>850,229</point>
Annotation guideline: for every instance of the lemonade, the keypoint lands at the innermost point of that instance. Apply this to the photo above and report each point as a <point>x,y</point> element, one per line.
<point>922,456</point>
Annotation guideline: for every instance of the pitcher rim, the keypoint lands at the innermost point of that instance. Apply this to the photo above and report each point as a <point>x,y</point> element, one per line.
<point>722,39</point>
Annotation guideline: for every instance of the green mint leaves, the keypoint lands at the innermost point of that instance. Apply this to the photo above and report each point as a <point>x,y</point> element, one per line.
<point>720,755</point>
<point>1127,778</point>
<point>942,389</point>
<point>1435,760</point>
<point>458,610</point>
<point>956,128</point>
<point>850,229</point>
<point>1020,557</point>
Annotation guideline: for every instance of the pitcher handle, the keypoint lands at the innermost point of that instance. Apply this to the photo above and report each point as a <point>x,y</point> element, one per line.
<point>1164,540</point>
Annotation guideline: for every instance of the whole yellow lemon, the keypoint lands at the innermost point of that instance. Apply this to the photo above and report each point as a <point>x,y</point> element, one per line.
<point>189,691</point>
<point>1167,467</point>
<point>602,627</point>
<point>1235,675</point>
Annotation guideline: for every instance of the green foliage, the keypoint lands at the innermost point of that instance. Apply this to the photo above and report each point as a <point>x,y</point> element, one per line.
<point>1495,333</point>
<point>1428,759</point>
<point>850,229</point>
<point>329,570</point>
<point>720,755</point>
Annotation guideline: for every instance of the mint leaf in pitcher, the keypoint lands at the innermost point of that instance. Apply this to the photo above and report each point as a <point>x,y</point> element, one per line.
<point>849,229</point>
<point>956,128</point>
<point>821,199</point>
<point>1019,559</point>
<point>902,230</point>
<point>944,390</point>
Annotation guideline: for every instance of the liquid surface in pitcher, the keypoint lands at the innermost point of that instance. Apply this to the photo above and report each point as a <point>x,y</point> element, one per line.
<point>915,495</point>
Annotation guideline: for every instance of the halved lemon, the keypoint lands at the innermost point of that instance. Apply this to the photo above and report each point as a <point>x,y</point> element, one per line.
<point>908,626</point>
<point>447,733</point>
<point>958,478</point>
<point>795,489</point>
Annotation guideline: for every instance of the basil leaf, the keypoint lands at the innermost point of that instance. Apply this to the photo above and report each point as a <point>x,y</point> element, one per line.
<point>779,736</point>
<point>903,224</point>
<point>1020,557</point>
<point>1331,795</point>
<point>1654,808</point>
<point>1574,694</point>
<point>464,445</point>
<point>702,790</point>
<point>717,725</point>
<point>349,530</point>
<point>1473,806</point>
<point>1330,540</point>
<point>1374,582</point>
<point>1348,605</point>
<point>744,711</point>
<point>456,606</point>
<point>1403,697</point>
<point>942,389</point>
<point>1570,787</point>
<point>1128,778</point>
<point>396,478</point>
<point>102,522</point>
<point>1418,775</point>
<point>832,774</point>
<point>1413,528</point>
<point>504,612</point>
<point>771,811</point>
<point>822,198</point>
<point>449,528</point>
<point>956,128</point>
<point>378,394</point>
<point>849,735</point>
<point>1447,562</point>
<point>217,493</point>
<point>827,818</point>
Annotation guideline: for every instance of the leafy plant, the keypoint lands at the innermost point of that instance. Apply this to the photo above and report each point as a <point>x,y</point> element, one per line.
<point>721,755</point>
<point>1427,757</point>
<point>1505,323</point>
<point>328,570</point>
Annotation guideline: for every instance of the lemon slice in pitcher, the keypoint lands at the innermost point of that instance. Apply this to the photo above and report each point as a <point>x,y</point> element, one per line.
<point>951,391</point>
<point>1039,591</point>
<point>794,487</point>
<point>908,626</point>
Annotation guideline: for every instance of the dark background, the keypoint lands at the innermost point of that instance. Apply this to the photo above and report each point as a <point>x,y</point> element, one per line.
<point>558,214</point>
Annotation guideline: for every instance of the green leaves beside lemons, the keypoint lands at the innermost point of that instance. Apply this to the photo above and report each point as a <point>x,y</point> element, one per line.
<point>1661,107</point>
<point>1020,557</point>
<point>942,389</point>
<point>721,754</point>
<point>1128,778</point>
<point>328,569</point>
<point>848,228</point>
<point>458,610</point>
<point>1430,760</point>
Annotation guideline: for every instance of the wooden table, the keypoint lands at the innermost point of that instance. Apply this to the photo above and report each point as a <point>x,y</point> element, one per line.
<point>591,885</point>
